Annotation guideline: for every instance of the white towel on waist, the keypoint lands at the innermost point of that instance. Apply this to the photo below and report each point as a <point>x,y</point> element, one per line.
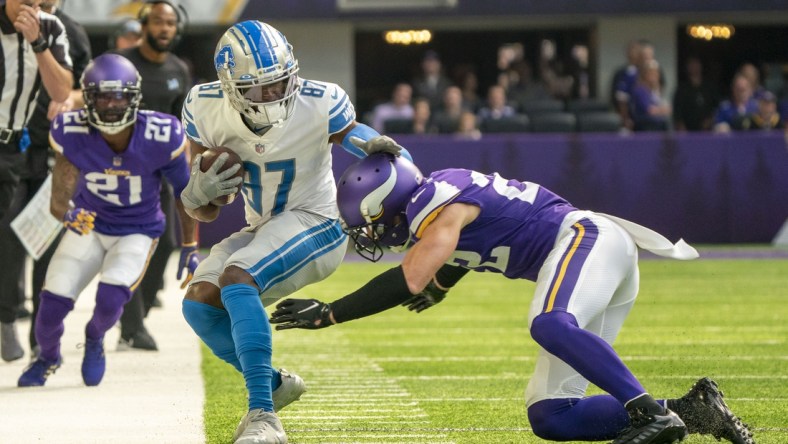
<point>654,242</point>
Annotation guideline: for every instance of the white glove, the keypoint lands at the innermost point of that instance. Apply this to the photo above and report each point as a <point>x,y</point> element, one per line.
<point>203,187</point>
<point>379,144</point>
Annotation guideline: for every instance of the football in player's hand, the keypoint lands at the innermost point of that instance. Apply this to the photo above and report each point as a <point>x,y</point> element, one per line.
<point>210,156</point>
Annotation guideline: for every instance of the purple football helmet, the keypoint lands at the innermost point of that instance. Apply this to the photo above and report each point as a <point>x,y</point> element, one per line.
<point>372,196</point>
<point>111,89</point>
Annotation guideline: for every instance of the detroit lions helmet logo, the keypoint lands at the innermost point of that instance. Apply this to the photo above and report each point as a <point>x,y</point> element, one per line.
<point>225,59</point>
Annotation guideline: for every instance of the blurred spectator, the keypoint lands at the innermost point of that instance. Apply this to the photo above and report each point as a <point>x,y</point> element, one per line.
<point>496,107</point>
<point>447,118</point>
<point>650,110</point>
<point>753,75</point>
<point>552,72</point>
<point>128,35</point>
<point>432,81</point>
<point>398,108</point>
<point>694,101</point>
<point>625,76</point>
<point>581,87</point>
<point>468,127</point>
<point>526,88</point>
<point>422,122</point>
<point>766,117</point>
<point>470,91</point>
<point>624,81</point>
<point>741,104</point>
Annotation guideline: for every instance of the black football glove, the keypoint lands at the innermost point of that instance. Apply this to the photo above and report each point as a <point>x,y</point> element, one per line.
<point>428,297</point>
<point>301,313</point>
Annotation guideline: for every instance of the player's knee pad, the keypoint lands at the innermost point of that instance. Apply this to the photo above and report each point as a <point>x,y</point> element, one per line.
<point>550,329</point>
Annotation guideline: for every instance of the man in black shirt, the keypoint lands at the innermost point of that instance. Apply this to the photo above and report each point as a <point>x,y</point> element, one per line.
<point>165,82</point>
<point>35,47</point>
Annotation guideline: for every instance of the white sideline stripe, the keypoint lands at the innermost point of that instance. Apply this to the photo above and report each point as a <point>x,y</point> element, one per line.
<point>533,358</point>
<point>351,416</point>
<point>509,376</point>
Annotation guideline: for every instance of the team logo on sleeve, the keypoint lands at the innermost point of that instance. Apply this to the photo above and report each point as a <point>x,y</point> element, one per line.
<point>225,59</point>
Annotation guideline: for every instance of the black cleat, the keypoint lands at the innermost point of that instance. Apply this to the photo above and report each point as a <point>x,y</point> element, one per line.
<point>645,428</point>
<point>705,412</point>
<point>141,340</point>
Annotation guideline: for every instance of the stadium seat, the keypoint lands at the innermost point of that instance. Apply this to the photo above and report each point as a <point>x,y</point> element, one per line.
<point>398,126</point>
<point>553,123</point>
<point>542,106</point>
<point>515,124</point>
<point>587,105</point>
<point>598,122</point>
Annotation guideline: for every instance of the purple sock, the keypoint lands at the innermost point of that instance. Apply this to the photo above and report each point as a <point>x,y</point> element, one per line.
<point>49,326</point>
<point>110,300</point>
<point>558,333</point>
<point>595,418</point>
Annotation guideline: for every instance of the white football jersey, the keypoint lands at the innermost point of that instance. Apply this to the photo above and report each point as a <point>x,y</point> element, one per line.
<point>289,167</point>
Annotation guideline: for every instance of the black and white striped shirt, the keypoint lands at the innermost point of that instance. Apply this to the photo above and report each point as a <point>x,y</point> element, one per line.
<point>20,80</point>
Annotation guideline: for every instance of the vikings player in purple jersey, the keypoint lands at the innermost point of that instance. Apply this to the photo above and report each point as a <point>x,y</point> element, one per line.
<point>585,268</point>
<point>110,159</point>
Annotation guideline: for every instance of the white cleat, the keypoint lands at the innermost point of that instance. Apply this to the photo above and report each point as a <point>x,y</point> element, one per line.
<point>261,427</point>
<point>290,391</point>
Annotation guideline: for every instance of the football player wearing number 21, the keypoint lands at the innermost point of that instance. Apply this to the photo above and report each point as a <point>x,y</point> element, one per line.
<point>110,158</point>
<point>283,128</point>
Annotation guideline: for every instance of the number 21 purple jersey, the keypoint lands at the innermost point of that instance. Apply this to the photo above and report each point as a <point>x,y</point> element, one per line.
<point>123,188</point>
<point>516,227</point>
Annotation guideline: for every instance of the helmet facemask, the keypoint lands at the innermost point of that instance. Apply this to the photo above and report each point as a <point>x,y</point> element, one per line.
<point>370,241</point>
<point>111,109</point>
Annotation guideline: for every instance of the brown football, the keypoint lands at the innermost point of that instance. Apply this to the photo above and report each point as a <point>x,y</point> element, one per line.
<point>210,156</point>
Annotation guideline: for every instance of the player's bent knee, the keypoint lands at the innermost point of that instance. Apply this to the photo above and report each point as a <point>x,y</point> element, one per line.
<point>205,293</point>
<point>235,275</point>
<point>548,329</point>
<point>545,418</point>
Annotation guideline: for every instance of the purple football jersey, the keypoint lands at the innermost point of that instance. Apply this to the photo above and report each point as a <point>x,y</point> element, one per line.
<point>123,188</point>
<point>515,230</point>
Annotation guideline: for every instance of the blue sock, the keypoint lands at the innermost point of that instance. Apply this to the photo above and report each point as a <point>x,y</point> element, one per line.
<point>595,418</point>
<point>252,336</point>
<point>558,333</point>
<point>212,325</point>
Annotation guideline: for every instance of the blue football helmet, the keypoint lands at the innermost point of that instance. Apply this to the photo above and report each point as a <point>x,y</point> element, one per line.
<point>112,92</point>
<point>257,70</point>
<point>372,196</point>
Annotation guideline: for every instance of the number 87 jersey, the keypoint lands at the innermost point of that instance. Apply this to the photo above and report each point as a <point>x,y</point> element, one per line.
<point>123,188</point>
<point>289,165</point>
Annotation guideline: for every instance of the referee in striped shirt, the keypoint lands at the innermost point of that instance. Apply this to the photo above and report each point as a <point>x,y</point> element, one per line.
<point>33,51</point>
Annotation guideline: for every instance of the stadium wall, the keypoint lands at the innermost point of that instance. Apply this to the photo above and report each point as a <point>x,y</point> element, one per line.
<point>704,188</point>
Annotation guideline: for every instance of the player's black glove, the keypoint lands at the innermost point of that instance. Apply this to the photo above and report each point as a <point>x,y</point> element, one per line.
<point>428,297</point>
<point>301,313</point>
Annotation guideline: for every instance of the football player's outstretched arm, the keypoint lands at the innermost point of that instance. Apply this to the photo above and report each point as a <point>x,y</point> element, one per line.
<point>361,140</point>
<point>390,288</point>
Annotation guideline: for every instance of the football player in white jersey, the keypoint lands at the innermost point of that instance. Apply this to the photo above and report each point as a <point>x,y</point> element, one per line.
<point>282,127</point>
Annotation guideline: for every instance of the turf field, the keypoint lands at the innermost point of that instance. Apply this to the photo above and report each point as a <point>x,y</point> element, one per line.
<point>456,373</point>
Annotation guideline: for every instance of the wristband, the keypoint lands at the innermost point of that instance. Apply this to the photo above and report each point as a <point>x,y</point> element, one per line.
<point>39,45</point>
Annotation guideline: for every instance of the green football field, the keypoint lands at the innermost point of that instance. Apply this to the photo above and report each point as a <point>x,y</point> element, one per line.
<point>456,373</point>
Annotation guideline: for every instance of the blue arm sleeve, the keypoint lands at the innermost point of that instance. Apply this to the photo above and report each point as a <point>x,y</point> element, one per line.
<point>365,133</point>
